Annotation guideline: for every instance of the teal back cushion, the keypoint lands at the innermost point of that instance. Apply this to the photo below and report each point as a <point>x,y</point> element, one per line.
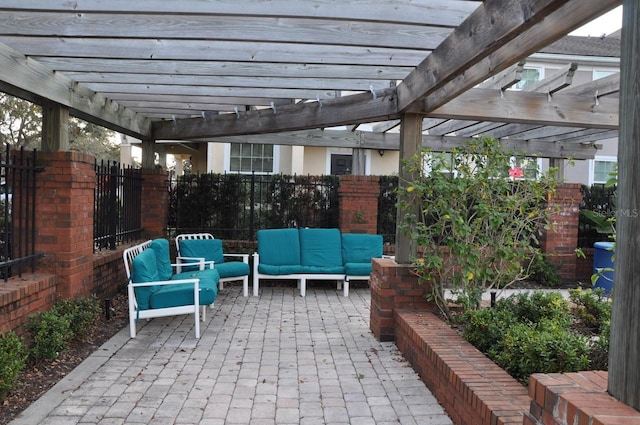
<point>209,249</point>
<point>279,247</point>
<point>144,269</point>
<point>163,259</point>
<point>320,247</point>
<point>361,248</point>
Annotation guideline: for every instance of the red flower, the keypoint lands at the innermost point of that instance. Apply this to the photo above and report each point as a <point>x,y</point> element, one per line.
<point>516,172</point>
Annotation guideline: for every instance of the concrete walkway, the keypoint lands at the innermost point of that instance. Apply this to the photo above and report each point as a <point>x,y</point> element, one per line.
<point>273,359</point>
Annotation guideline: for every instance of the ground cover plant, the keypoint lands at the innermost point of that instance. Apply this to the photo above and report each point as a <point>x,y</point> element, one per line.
<point>542,332</point>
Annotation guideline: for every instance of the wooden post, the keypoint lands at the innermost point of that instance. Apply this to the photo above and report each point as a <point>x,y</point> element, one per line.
<point>148,154</point>
<point>624,362</point>
<point>55,127</point>
<point>410,143</point>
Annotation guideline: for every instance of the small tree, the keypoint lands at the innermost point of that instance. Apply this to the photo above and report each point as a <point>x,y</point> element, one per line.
<point>479,220</point>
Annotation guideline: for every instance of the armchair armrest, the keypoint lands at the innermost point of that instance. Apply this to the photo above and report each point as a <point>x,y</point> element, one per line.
<point>193,261</point>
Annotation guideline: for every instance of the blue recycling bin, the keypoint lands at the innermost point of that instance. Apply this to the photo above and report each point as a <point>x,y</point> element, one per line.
<point>603,259</point>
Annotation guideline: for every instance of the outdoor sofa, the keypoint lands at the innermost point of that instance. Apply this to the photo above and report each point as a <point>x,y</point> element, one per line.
<point>314,254</point>
<point>154,290</point>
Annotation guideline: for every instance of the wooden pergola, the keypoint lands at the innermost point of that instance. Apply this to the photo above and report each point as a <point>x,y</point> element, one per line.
<point>238,71</point>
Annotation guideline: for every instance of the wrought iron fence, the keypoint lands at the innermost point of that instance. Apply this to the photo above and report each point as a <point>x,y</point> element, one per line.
<point>117,205</point>
<point>602,201</point>
<point>18,172</point>
<point>387,212</point>
<point>235,206</point>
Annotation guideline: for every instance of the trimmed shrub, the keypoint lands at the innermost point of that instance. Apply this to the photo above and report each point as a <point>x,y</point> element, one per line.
<point>546,347</point>
<point>13,357</point>
<point>82,313</point>
<point>534,306</point>
<point>50,334</point>
<point>485,328</point>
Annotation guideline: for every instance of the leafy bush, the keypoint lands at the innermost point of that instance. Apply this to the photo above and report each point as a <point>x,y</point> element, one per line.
<point>13,356</point>
<point>545,347</point>
<point>82,313</point>
<point>544,271</point>
<point>486,328</point>
<point>532,307</point>
<point>531,333</point>
<point>591,307</point>
<point>50,334</point>
<point>478,229</point>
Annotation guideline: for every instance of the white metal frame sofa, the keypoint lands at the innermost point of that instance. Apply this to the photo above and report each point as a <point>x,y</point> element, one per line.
<point>207,252</point>
<point>154,290</point>
<point>314,254</point>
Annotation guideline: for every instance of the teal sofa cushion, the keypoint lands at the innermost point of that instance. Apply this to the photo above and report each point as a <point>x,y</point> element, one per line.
<point>209,249</point>
<point>357,269</point>
<point>278,247</point>
<point>323,269</point>
<point>361,248</point>
<point>320,248</point>
<point>278,270</point>
<point>144,268</point>
<point>179,295</point>
<point>163,259</point>
<point>232,269</point>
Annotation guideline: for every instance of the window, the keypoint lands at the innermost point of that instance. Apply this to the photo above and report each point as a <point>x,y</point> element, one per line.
<point>530,166</point>
<point>601,169</point>
<point>529,76</point>
<point>251,157</point>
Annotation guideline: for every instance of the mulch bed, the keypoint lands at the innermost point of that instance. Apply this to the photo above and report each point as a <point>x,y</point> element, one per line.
<point>38,378</point>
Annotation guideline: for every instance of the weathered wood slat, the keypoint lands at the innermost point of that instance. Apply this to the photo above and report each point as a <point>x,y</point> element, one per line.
<point>425,12</point>
<point>225,28</point>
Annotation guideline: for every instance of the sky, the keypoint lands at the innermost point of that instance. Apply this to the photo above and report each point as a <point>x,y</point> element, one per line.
<point>605,24</point>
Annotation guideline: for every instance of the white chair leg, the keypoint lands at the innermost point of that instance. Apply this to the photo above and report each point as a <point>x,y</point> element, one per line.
<point>245,286</point>
<point>256,286</point>
<point>346,288</point>
<point>303,287</point>
<point>203,315</point>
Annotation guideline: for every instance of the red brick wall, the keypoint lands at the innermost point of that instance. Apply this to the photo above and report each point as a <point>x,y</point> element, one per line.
<point>472,389</point>
<point>393,286</point>
<point>21,297</point>
<point>359,204</point>
<point>561,242</point>
<point>579,398</point>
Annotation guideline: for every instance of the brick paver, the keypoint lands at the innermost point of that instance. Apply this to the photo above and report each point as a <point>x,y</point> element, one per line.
<point>273,359</point>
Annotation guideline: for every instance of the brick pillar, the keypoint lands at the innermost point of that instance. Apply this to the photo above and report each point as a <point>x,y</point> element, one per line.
<point>393,287</point>
<point>561,242</point>
<point>64,220</point>
<point>359,204</point>
<point>155,203</point>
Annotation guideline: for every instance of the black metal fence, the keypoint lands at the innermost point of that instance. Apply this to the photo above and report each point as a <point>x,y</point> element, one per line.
<point>18,172</point>
<point>117,205</point>
<point>235,206</point>
<point>387,211</point>
<point>602,201</point>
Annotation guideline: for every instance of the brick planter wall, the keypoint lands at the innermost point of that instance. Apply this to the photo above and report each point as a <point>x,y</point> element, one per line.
<point>393,286</point>
<point>472,389</point>
<point>576,398</point>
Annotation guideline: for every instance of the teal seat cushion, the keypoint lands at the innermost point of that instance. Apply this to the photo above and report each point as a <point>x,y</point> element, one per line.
<point>163,259</point>
<point>361,248</point>
<point>323,270</point>
<point>232,269</point>
<point>357,269</point>
<point>278,247</point>
<point>209,249</point>
<point>180,295</point>
<point>144,269</point>
<point>278,270</point>
<point>320,248</point>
